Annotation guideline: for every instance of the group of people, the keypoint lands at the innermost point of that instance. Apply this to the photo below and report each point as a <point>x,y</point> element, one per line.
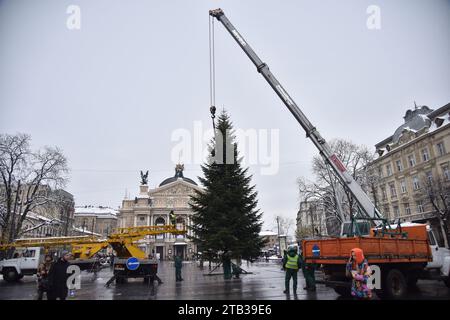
<point>292,262</point>
<point>52,277</point>
<point>357,268</point>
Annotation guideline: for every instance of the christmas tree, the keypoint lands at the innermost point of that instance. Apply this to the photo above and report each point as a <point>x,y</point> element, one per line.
<point>225,217</point>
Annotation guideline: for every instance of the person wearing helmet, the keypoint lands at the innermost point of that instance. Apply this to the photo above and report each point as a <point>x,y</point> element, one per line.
<point>291,264</point>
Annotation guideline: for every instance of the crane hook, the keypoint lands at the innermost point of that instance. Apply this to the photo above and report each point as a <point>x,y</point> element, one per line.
<point>212,109</point>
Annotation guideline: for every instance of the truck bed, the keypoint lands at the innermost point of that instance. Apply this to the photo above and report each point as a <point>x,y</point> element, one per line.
<point>376,250</point>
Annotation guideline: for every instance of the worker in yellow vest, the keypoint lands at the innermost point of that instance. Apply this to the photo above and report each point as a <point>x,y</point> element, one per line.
<point>292,263</point>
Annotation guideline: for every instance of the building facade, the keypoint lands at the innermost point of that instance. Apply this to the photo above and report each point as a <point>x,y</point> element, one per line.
<point>152,207</point>
<point>271,240</point>
<point>415,155</point>
<point>311,219</point>
<point>100,220</point>
<point>54,218</point>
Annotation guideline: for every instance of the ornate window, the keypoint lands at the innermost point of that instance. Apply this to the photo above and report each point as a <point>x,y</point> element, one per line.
<point>399,165</point>
<point>403,186</point>
<point>425,155</point>
<point>388,170</point>
<point>440,148</point>
<point>407,209</point>
<point>416,183</point>
<point>420,208</point>
<point>181,224</point>
<point>411,160</point>
<point>393,190</point>
<point>160,222</point>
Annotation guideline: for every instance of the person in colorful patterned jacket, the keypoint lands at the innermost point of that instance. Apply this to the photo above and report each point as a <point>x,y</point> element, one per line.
<point>358,269</point>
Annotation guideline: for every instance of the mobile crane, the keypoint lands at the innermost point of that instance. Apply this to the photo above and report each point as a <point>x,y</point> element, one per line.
<point>28,253</point>
<point>84,248</point>
<point>366,209</point>
<point>404,253</point>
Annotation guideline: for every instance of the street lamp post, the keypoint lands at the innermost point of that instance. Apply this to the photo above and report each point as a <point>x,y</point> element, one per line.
<point>279,240</point>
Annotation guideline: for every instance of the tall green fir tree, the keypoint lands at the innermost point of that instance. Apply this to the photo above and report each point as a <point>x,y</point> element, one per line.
<point>226,218</point>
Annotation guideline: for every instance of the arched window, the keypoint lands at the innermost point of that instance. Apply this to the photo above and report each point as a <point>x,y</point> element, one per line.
<point>181,224</point>
<point>160,221</point>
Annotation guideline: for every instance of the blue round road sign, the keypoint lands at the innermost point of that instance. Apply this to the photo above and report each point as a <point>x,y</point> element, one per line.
<point>316,250</point>
<point>132,263</point>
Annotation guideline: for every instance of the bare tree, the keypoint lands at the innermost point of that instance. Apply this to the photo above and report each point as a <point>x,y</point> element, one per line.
<point>437,191</point>
<point>325,197</point>
<point>303,232</point>
<point>27,179</point>
<point>337,200</point>
<point>286,224</point>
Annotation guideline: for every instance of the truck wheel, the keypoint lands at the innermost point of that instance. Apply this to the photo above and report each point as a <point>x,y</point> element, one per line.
<point>394,285</point>
<point>412,282</point>
<point>343,291</point>
<point>447,282</point>
<point>10,275</point>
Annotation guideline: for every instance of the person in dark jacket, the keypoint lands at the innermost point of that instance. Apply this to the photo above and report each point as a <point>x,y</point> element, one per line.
<point>226,264</point>
<point>42,275</point>
<point>178,266</point>
<point>284,259</point>
<point>57,277</point>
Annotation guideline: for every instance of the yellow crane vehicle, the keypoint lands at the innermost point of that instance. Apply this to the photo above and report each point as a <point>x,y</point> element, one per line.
<point>131,262</point>
<point>28,253</point>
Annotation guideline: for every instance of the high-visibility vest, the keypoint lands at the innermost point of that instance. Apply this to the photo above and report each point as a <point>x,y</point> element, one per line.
<point>292,262</point>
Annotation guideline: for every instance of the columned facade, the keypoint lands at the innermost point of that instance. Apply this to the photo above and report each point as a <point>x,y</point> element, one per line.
<point>152,207</point>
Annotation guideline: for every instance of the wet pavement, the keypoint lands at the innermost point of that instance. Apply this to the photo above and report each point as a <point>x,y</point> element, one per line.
<point>265,283</point>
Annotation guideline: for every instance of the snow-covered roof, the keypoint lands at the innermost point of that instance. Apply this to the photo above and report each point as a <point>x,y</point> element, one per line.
<point>33,215</point>
<point>267,233</point>
<point>107,216</point>
<point>98,211</point>
<point>421,118</point>
<point>446,120</point>
<point>52,238</point>
<point>86,231</point>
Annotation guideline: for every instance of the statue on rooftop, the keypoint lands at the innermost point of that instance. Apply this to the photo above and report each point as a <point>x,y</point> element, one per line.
<point>144,178</point>
<point>179,170</point>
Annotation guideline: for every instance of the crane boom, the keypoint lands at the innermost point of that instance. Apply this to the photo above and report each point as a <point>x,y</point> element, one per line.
<point>364,202</point>
<point>84,247</point>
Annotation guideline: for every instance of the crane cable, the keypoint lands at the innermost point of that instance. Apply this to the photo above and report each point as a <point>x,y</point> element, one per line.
<point>212,72</point>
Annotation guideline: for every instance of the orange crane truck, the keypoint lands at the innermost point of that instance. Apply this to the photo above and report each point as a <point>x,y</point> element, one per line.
<point>403,254</point>
<point>401,258</point>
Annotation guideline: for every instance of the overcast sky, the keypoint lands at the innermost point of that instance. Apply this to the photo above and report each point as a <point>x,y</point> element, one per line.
<point>112,93</point>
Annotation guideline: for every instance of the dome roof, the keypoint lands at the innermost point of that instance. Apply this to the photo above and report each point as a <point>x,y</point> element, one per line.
<point>178,175</point>
<point>415,120</point>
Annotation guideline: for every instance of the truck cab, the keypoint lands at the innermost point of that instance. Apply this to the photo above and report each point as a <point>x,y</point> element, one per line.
<point>24,261</point>
<point>441,256</point>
